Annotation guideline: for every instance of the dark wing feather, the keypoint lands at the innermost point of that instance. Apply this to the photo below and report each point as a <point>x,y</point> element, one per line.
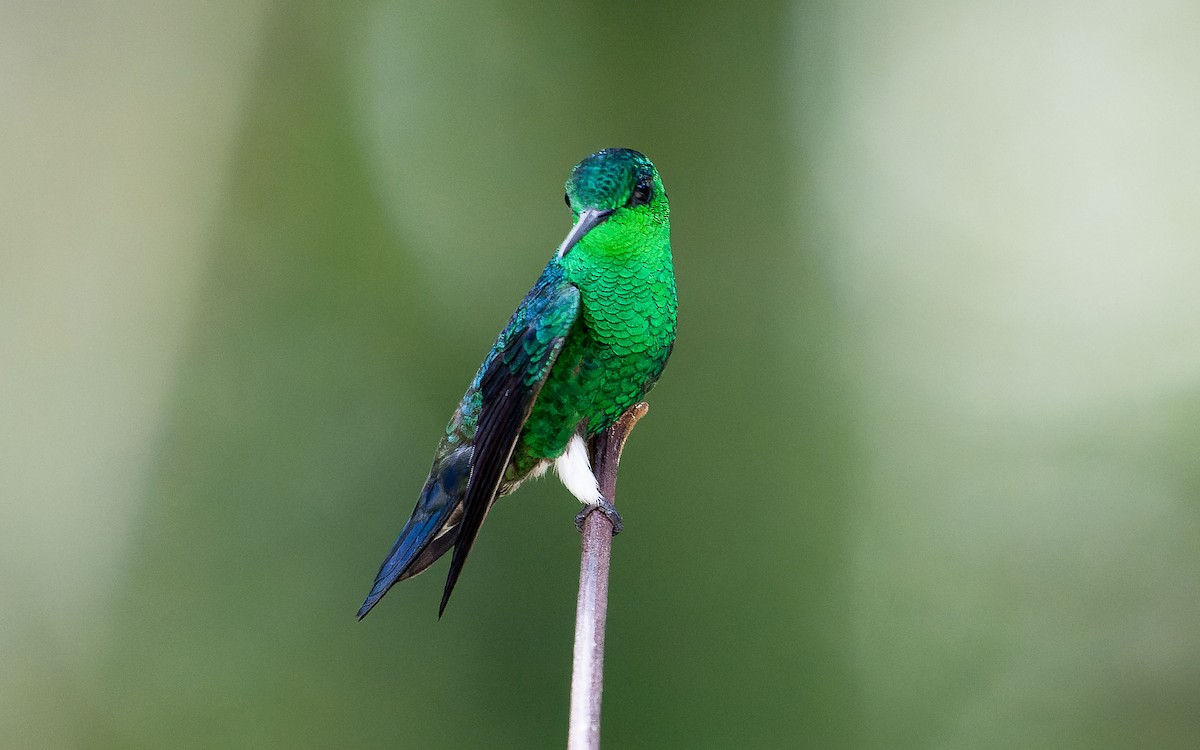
<point>510,384</point>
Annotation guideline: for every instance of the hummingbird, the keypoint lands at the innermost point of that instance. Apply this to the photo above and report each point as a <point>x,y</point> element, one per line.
<point>589,340</point>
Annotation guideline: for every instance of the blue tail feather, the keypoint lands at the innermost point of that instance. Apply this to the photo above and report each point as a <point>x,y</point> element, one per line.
<point>419,545</point>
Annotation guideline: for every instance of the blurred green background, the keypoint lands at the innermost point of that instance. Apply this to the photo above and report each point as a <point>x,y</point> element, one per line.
<point>923,471</point>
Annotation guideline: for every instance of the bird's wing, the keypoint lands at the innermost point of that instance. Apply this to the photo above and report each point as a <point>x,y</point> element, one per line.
<point>509,383</point>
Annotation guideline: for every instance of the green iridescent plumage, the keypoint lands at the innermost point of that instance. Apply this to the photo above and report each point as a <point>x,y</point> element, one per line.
<point>588,342</point>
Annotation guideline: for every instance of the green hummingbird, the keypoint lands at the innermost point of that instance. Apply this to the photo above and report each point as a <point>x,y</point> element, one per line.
<point>589,340</point>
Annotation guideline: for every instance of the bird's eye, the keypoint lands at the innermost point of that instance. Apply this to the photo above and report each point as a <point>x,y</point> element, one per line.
<point>567,198</point>
<point>642,192</point>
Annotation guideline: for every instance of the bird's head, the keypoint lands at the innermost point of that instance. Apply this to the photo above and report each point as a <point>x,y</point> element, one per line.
<point>618,199</point>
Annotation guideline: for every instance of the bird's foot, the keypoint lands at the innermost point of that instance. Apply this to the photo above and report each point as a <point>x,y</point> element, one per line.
<point>605,507</point>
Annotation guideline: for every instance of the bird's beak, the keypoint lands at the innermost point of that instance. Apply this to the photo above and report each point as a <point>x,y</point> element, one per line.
<point>588,218</point>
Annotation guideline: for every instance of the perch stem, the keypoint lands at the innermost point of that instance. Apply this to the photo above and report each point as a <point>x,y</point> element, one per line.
<point>591,610</point>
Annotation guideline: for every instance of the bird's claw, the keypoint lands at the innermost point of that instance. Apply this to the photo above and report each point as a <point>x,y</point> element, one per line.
<point>605,507</point>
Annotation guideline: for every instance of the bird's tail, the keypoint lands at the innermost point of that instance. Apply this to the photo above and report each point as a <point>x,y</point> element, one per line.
<point>431,530</point>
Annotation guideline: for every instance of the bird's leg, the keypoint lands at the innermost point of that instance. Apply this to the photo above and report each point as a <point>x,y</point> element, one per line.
<point>605,507</point>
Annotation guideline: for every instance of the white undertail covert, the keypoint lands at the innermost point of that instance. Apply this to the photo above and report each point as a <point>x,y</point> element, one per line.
<point>575,471</point>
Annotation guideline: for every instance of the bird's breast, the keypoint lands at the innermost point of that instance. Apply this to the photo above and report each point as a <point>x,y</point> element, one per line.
<point>631,309</point>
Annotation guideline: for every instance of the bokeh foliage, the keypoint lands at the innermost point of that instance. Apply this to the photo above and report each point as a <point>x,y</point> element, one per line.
<point>894,490</point>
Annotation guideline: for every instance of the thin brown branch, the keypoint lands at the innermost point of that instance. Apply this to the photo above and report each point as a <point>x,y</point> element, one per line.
<point>591,610</point>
